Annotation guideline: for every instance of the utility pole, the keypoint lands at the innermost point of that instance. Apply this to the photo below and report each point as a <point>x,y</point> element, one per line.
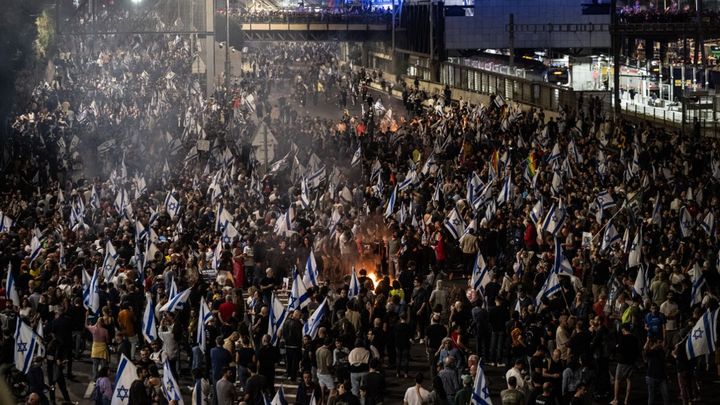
<point>511,42</point>
<point>227,45</point>
<point>209,48</point>
<point>615,41</point>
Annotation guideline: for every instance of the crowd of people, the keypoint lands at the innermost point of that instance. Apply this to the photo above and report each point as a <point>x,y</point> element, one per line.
<point>145,223</point>
<point>672,11</point>
<point>358,15</point>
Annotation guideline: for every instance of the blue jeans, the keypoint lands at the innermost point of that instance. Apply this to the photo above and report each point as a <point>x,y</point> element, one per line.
<point>357,380</point>
<point>653,384</point>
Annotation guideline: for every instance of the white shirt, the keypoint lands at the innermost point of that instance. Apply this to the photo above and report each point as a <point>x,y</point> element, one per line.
<point>416,395</point>
<point>669,309</point>
<point>513,372</point>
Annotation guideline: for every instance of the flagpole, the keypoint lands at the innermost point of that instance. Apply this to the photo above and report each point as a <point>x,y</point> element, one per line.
<point>637,193</point>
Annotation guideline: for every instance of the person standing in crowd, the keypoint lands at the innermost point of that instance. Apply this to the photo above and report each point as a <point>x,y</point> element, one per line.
<point>416,395</point>
<point>627,349</point>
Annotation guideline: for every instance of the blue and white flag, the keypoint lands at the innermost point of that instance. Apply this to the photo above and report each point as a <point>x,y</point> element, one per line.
<point>125,375</point>
<point>610,237</point>
<point>481,391</point>
<point>480,274</point>
<point>217,255</point>
<point>391,203</point>
<point>177,302</point>
<point>561,264</point>
<point>686,222</point>
<point>357,156</point>
<point>657,211</point>
<point>505,191</point>
<point>304,193</point>
<point>110,264</point>
<point>429,164</point>
<point>708,224</point>
<point>555,154</point>
<point>276,319</point>
<point>310,278</point>
<point>556,186</point>
<point>279,398</point>
<point>173,289</point>
<point>635,250</point>
<point>409,180</point>
<point>455,224</point>
<point>299,297</point>
<point>229,234</point>
<point>641,287</point>
<point>11,293</point>
<point>27,345</point>
<point>698,281</point>
<point>537,212</point>
<point>149,321</point>
<point>172,206</point>
<point>91,297</point>
<point>555,219</point>
<point>550,287</point>
<point>313,323</point>
<point>284,225</point>
<point>703,336</point>
<point>222,218</point>
<point>170,388</point>
<point>94,198</point>
<point>122,203</point>
<point>5,222</point>
<point>35,248</point>
<point>354,290</point>
<point>574,152</point>
<point>204,315</point>
<point>605,201</point>
<point>482,197</point>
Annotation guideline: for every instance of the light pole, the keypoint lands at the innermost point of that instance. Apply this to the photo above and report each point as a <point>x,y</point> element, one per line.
<point>227,45</point>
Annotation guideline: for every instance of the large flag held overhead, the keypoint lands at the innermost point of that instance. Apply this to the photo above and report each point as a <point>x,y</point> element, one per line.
<point>110,264</point>
<point>125,375</point>
<point>480,275</point>
<point>703,337</point>
<point>172,206</point>
<point>391,203</point>
<point>481,391</point>
<point>357,156</point>
<point>149,322</point>
<point>698,281</point>
<point>641,288</point>
<point>35,248</point>
<point>277,316</point>
<point>279,398</point>
<point>204,315</point>
<point>537,212</point>
<point>551,286</point>
<point>610,237</point>
<point>686,222</point>
<point>177,302</point>
<point>91,297</point>
<point>313,323</point>
<point>27,343</point>
<point>561,264</point>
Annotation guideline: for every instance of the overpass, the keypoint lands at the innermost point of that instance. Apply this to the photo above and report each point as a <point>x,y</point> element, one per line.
<point>312,27</point>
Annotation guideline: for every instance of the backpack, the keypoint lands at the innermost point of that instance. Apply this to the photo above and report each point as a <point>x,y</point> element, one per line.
<point>96,396</point>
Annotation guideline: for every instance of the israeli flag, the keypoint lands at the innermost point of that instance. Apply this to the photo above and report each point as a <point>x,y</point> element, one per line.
<point>299,297</point>
<point>480,275</point>
<point>429,164</point>
<point>177,302</point>
<point>35,248</point>
<point>555,219</point>
<point>561,265</point>
<point>455,224</point>
<point>483,197</point>
<point>11,293</point>
<point>5,222</point>
<point>574,152</point>
<point>279,398</point>
<point>657,211</point>
<point>354,290</point>
<point>436,194</point>
<point>481,391</point>
<point>686,222</point>
<point>555,154</point>
<point>635,250</point>
<point>283,225</point>
<point>313,323</point>
<point>277,316</point>
<point>334,220</point>
<point>357,156</point>
<point>550,287</point>
<point>641,287</point>
<point>204,315</point>
<point>110,261</point>
<point>311,271</point>
<point>409,180</point>
<point>556,186</point>
<point>173,289</point>
<point>172,206</point>
<point>94,198</point>
<point>610,237</point>
<point>708,224</point>
<point>474,184</point>
<point>506,191</point>
<point>304,193</point>
<point>703,336</point>
<point>125,375</point>
<point>121,202</point>
<point>537,212</point>
<point>27,344</point>
<point>149,322</point>
<point>391,203</point>
<point>698,281</point>
<point>229,234</point>
<point>222,218</point>
<point>217,255</point>
<point>91,298</point>
<point>605,201</point>
<point>170,389</point>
